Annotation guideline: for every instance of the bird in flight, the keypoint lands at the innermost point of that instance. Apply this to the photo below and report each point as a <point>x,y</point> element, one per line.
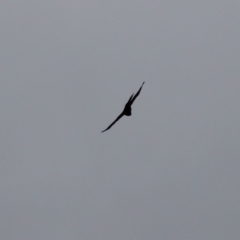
<point>127,109</point>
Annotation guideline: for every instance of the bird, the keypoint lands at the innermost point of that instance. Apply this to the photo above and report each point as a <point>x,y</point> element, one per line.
<point>127,111</point>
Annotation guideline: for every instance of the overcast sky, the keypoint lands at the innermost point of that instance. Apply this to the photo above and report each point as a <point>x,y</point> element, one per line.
<point>170,171</point>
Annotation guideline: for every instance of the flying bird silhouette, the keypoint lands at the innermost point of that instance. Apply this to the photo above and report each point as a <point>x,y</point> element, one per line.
<point>127,109</point>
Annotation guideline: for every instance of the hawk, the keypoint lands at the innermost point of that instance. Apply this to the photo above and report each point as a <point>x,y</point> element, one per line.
<point>127,111</point>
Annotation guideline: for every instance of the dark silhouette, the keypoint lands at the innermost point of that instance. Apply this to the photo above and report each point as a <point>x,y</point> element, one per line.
<point>127,109</point>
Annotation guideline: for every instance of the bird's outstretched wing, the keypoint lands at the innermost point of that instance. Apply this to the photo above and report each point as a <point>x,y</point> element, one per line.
<point>113,122</point>
<point>129,100</point>
<point>132,98</point>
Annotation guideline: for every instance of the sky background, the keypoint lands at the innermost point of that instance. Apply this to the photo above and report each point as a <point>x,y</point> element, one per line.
<point>170,171</point>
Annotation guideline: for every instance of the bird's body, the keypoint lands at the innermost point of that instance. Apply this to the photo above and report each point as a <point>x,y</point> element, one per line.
<point>127,111</point>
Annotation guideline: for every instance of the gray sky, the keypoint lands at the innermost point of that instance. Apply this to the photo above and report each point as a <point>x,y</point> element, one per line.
<point>170,171</point>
